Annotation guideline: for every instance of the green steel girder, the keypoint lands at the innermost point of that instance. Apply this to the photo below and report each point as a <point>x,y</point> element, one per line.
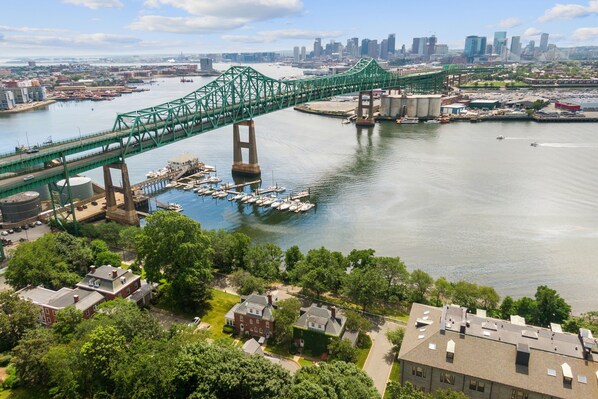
<point>238,94</point>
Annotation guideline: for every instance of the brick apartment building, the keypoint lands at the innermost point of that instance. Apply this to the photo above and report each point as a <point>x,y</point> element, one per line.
<point>111,282</point>
<point>253,316</point>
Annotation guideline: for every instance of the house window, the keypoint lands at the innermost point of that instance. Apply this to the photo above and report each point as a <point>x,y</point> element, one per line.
<point>261,331</point>
<point>136,284</point>
<point>241,318</point>
<point>47,310</point>
<point>447,378</point>
<point>128,290</point>
<point>418,371</point>
<point>475,385</point>
<point>267,324</point>
<point>87,313</point>
<point>518,394</point>
<point>250,321</point>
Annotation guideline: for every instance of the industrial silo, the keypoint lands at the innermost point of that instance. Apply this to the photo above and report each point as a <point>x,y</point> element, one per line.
<point>412,106</point>
<point>386,105</point>
<point>423,104</point>
<point>81,188</point>
<point>20,206</point>
<point>434,110</point>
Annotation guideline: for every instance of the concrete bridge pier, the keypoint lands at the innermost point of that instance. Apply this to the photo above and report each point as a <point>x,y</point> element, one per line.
<point>366,118</point>
<point>240,168</point>
<point>128,214</point>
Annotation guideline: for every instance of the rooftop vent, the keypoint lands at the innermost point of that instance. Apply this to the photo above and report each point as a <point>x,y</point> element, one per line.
<point>517,320</point>
<point>554,327</point>
<point>522,358</point>
<point>529,334</point>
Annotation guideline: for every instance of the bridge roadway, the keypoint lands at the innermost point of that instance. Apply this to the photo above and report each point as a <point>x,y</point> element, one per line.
<point>189,116</point>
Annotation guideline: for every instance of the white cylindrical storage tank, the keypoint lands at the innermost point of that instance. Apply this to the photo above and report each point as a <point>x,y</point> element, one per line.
<point>411,107</point>
<point>81,188</point>
<point>20,206</point>
<point>434,111</point>
<point>423,104</point>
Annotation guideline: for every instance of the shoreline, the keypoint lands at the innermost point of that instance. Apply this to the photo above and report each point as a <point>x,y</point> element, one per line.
<point>27,107</point>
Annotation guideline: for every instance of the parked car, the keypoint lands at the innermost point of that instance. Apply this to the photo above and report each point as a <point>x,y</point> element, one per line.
<point>28,177</point>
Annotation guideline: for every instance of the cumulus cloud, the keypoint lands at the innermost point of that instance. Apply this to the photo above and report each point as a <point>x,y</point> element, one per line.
<point>158,23</point>
<point>569,11</point>
<point>96,4</point>
<point>510,22</point>
<point>211,16</point>
<point>84,41</point>
<point>583,34</point>
<point>531,33</point>
<point>274,35</point>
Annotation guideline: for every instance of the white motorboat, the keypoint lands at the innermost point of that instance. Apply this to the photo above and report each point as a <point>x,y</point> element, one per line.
<point>534,144</point>
<point>501,137</point>
<point>346,121</point>
<point>237,197</point>
<point>407,120</point>
<point>214,179</point>
<point>245,198</point>
<point>276,204</point>
<point>173,206</point>
<point>252,200</point>
<point>222,195</point>
<point>432,121</point>
<point>306,207</point>
<point>294,206</point>
<point>284,206</point>
<point>280,189</point>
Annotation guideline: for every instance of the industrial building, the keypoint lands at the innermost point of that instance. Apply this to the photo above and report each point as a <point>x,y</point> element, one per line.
<point>488,358</point>
<point>21,92</point>
<point>484,104</point>
<point>420,106</point>
<point>452,109</point>
<point>20,206</point>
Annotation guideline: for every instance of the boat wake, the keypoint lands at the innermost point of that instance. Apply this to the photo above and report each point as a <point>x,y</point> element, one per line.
<point>569,145</point>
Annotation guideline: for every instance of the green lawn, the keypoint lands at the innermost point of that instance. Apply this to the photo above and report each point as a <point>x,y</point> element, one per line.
<point>24,393</point>
<point>218,306</point>
<point>395,374</point>
<point>362,355</point>
<point>280,350</point>
<point>304,362</point>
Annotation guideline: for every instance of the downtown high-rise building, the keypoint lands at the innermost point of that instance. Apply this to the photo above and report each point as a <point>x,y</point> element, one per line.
<point>302,56</point>
<point>419,45</point>
<point>318,48</point>
<point>296,54</point>
<point>500,41</point>
<point>374,49</point>
<point>474,47</point>
<point>431,46</point>
<point>515,48</point>
<point>391,43</point>
<point>365,44</point>
<point>384,49</point>
<point>544,42</point>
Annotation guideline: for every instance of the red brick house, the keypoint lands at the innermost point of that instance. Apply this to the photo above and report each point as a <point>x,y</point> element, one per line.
<point>111,282</point>
<point>50,302</point>
<point>253,316</point>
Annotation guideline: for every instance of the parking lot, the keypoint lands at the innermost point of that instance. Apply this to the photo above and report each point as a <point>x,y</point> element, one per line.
<point>31,234</point>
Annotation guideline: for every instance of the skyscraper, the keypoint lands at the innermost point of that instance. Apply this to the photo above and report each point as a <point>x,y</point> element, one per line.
<point>302,53</point>
<point>391,43</point>
<point>374,49</point>
<point>474,46</point>
<point>318,48</point>
<point>419,45</point>
<point>384,49</point>
<point>500,40</point>
<point>544,42</point>
<point>431,45</point>
<point>365,46</point>
<point>296,53</point>
<point>515,47</point>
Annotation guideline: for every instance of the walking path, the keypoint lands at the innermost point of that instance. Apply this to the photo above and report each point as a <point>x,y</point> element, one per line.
<point>379,361</point>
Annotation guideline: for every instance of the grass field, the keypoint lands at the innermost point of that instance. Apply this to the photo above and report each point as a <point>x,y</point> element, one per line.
<point>218,306</point>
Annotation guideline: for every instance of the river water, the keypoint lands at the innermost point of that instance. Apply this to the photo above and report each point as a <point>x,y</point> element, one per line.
<point>449,199</point>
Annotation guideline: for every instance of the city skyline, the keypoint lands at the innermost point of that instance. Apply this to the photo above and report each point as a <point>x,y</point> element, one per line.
<point>98,27</point>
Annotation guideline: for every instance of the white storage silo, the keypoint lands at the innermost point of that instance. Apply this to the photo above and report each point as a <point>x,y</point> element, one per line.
<point>81,188</point>
<point>423,104</point>
<point>411,107</point>
<point>434,110</point>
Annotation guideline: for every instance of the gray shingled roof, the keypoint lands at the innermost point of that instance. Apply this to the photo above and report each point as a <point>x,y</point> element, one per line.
<point>252,347</point>
<point>256,303</point>
<point>62,298</point>
<point>102,279</point>
<point>489,354</point>
<point>322,316</point>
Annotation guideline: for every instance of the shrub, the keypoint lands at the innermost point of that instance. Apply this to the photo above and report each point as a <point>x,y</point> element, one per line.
<point>4,360</point>
<point>228,329</point>
<point>364,341</point>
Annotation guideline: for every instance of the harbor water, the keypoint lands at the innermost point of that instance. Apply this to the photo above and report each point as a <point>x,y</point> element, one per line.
<point>449,199</point>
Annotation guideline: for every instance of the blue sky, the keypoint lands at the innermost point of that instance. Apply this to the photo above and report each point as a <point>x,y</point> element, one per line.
<point>94,27</point>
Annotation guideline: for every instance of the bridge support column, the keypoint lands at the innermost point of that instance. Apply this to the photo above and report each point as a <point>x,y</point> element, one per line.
<point>127,215</point>
<point>365,119</point>
<point>252,168</point>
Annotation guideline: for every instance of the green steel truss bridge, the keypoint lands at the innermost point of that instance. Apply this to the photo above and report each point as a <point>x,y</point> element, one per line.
<point>241,93</point>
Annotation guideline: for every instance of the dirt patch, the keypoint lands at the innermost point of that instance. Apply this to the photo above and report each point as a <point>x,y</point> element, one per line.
<point>3,374</point>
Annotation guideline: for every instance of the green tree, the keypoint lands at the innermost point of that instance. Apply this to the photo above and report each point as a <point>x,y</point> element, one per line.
<point>396,275</point>
<point>395,390</point>
<point>127,237</point>
<point>67,321</point>
<point>420,282</point>
<point>16,317</point>
<point>551,308</point>
<point>229,250</point>
<point>337,380</point>
<point>292,256</point>
<point>246,283</point>
<point>63,364</point>
<point>361,257</point>
<point>488,297</point>
<point>356,322</point>
<point>466,294</point>
<point>442,291</point>
<point>173,247</point>
<point>286,314</point>
<point>365,286</point>
<point>343,350</point>
<point>507,308</point>
<point>527,308</point>
<point>27,356</point>
<point>396,339</point>
<point>320,271</point>
<point>110,232</point>
<point>264,261</point>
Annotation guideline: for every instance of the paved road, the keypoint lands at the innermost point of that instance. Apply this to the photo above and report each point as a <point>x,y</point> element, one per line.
<point>379,361</point>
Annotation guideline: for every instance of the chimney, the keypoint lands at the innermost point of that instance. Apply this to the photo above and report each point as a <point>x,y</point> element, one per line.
<point>523,354</point>
<point>92,269</point>
<point>333,311</point>
<point>114,273</point>
<point>76,298</point>
<point>270,299</point>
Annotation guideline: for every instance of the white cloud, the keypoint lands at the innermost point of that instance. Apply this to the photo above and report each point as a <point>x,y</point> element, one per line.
<point>84,41</point>
<point>254,10</point>
<point>96,4</point>
<point>208,24</point>
<point>531,33</point>
<point>27,29</point>
<point>569,11</point>
<point>583,34</point>
<point>510,22</point>
<point>275,35</point>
